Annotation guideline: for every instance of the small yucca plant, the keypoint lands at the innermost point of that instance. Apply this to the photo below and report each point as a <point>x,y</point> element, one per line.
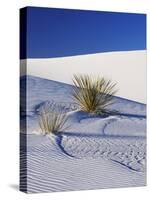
<point>52,120</point>
<point>93,94</point>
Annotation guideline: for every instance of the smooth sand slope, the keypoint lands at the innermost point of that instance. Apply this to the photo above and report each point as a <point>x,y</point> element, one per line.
<point>94,152</point>
<point>127,68</point>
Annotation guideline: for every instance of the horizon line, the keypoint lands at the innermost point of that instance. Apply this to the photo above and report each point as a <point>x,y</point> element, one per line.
<point>104,52</point>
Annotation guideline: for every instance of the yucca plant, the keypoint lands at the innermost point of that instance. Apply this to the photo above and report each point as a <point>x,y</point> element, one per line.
<point>52,120</point>
<point>93,94</point>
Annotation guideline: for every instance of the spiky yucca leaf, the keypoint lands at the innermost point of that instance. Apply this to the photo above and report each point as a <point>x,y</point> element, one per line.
<point>93,94</point>
<point>52,120</point>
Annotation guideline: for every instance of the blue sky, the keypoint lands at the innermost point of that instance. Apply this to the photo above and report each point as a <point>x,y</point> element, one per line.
<point>62,32</point>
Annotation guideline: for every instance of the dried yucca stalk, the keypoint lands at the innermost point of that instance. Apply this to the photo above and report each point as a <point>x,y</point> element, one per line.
<point>52,120</point>
<point>93,94</point>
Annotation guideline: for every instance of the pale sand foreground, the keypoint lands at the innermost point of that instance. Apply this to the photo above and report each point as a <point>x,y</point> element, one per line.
<point>49,169</point>
<point>93,153</point>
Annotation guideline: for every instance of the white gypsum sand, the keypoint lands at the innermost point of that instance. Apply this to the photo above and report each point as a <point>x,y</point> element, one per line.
<point>127,68</point>
<point>94,152</point>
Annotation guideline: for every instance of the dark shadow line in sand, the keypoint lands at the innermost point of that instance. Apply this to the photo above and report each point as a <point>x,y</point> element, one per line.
<point>90,135</point>
<point>106,124</point>
<point>131,115</point>
<point>125,165</point>
<point>58,141</point>
<point>22,117</point>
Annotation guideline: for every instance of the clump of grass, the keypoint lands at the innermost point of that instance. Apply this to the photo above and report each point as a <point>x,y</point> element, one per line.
<point>93,94</point>
<point>52,120</point>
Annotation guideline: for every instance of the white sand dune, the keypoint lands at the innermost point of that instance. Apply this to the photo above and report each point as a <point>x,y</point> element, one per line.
<point>127,68</point>
<point>50,170</point>
<point>94,152</point>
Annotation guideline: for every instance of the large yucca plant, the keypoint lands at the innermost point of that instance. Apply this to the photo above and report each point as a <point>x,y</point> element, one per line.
<point>93,94</point>
<point>52,119</point>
